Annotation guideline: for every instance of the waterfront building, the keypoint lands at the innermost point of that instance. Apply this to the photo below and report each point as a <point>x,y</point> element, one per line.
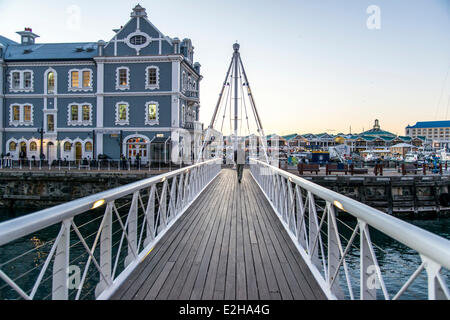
<point>132,95</point>
<point>373,139</point>
<point>437,132</point>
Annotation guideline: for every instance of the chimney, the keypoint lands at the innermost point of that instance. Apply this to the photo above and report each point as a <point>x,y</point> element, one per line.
<point>27,36</point>
<point>176,45</point>
<point>100,44</point>
<point>197,67</point>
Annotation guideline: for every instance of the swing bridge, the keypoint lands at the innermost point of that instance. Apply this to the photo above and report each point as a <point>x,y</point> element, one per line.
<point>196,233</point>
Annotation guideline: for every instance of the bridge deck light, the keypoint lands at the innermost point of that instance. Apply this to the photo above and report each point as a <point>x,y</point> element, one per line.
<point>98,203</point>
<point>339,205</point>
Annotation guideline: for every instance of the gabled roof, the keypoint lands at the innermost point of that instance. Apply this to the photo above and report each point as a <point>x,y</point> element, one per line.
<point>51,51</point>
<point>7,42</point>
<point>290,136</point>
<point>430,124</point>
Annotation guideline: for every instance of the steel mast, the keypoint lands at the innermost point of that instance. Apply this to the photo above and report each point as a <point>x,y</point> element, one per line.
<point>236,94</point>
<point>233,71</point>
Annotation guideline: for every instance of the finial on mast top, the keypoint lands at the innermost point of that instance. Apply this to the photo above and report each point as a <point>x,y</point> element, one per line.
<point>236,47</point>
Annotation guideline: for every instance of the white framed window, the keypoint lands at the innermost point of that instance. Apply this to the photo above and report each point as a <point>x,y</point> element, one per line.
<point>183,114</point>
<point>138,40</point>
<point>152,77</point>
<point>21,80</point>
<point>79,114</point>
<point>152,113</point>
<point>122,113</point>
<point>122,78</point>
<point>21,114</point>
<point>80,80</point>
<point>183,82</point>
<point>50,83</point>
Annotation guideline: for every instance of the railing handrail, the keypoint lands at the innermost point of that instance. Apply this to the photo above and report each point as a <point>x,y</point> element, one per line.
<point>16,228</point>
<point>426,243</point>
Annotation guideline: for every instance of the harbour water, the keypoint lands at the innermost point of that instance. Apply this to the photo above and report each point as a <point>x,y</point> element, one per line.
<point>397,262</point>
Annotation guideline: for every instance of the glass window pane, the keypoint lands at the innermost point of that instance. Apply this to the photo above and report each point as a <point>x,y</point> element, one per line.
<point>152,76</point>
<point>16,113</point>
<point>152,112</point>
<point>67,146</point>
<point>88,147</point>
<point>16,79</point>
<point>75,79</point>
<point>12,146</point>
<point>27,113</point>
<point>86,113</point>
<point>74,113</point>
<point>122,112</point>
<point>50,123</point>
<point>123,79</point>
<point>51,83</point>
<point>33,146</point>
<point>27,79</point>
<point>86,78</point>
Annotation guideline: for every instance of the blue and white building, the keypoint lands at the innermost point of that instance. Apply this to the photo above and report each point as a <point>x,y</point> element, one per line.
<point>133,94</point>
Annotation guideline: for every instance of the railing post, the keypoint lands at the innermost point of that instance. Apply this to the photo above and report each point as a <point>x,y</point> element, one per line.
<point>105,250</point>
<point>333,252</point>
<point>172,200</point>
<point>435,290</point>
<point>301,236</point>
<point>163,207</point>
<point>150,216</point>
<point>368,283</point>
<point>60,290</point>
<point>313,231</point>
<point>132,229</point>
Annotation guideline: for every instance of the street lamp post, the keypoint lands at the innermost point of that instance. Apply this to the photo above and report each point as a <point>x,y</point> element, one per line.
<point>41,132</point>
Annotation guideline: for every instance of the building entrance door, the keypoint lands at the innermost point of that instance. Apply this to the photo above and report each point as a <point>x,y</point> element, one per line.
<point>78,151</point>
<point>51,152</point>
<point>137,146</point>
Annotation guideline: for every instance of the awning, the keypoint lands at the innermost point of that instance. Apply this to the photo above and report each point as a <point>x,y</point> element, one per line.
<point>160,140</point>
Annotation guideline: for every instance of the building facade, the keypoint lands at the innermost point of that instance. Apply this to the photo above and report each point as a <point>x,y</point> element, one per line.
<point>136,94</point>
<point>437,132</point>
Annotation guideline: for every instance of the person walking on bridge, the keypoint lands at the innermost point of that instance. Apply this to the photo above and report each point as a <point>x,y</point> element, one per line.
<point>239,159</point>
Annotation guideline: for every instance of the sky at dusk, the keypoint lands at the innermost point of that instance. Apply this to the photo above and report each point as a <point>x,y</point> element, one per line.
<point>314,65</point>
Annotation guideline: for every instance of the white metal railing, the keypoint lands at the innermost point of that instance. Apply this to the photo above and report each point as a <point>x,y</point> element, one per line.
<point>106,235</point>
<point>308,212</point>
<point>87,164</point>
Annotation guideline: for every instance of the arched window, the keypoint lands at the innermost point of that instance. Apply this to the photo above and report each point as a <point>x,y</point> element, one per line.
<point>23,146</point>
<point>12,146</point>
<point>33,146</point>
<point>67,146</point>
<point>88,147</point>
<point>50,83</point>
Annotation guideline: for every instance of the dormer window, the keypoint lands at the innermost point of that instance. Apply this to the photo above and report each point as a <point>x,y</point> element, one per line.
<point>80,80</point>
<point>122,78</point>
<point>21,81</point>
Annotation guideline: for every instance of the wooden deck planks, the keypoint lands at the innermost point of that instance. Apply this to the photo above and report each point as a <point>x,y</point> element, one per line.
<point>228,245</point>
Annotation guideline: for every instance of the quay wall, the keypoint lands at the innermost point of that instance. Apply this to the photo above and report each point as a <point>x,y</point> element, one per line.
<point>411,196</point>
<point>39,190</point>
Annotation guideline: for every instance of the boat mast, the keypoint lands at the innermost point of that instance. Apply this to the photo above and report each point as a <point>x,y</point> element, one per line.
<point>236,93</point>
